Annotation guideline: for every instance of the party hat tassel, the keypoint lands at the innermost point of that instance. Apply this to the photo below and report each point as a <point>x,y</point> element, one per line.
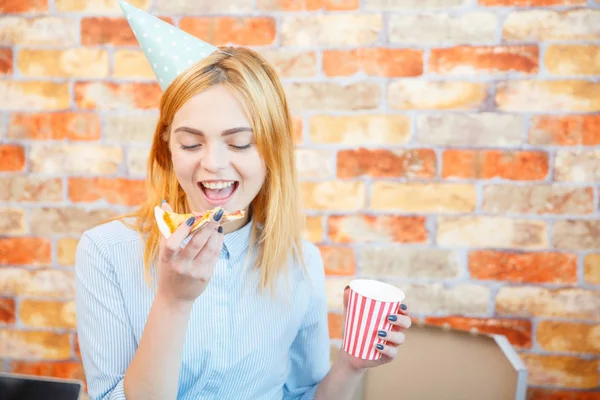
<point>169,50</point>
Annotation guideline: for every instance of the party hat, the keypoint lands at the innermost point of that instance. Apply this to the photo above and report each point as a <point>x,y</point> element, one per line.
<point>169,50</point>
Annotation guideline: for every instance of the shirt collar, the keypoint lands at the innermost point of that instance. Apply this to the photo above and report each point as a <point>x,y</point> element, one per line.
<point>238,241</point>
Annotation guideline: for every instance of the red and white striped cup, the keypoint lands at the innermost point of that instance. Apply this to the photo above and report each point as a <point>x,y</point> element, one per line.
<point>370,302</point>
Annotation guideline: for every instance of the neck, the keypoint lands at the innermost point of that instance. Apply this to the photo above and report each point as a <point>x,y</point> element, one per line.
<point>240,223</point>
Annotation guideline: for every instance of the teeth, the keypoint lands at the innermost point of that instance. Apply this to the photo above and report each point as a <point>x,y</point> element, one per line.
<point>216,185</point>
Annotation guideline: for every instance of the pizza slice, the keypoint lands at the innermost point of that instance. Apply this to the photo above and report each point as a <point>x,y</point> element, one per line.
<point>169,221</point>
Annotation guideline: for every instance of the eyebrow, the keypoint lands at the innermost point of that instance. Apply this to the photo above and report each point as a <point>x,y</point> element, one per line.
<point>226,132</point>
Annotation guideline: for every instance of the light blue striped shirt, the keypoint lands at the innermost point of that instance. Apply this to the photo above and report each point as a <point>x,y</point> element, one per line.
<point>238,345</point>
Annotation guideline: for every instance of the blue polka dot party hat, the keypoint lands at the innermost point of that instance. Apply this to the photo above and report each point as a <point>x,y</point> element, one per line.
<point>169,50</point>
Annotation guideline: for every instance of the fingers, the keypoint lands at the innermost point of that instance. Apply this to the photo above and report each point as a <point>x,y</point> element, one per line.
<point>198,241</point>
<point>400,321</point>
<point>346,296</point>
<point>393,338</point>
<point>403,309</point>
<point>212,250</point>
<point>165,206</point>
<point>387,350</point>
<point>173,244</point>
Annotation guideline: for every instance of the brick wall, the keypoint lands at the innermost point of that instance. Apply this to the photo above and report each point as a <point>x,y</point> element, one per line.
<point>448,146</point>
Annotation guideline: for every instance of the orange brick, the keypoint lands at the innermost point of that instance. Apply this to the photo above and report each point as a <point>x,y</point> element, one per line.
<point>336,325</point>
<point>29,188</point>
<point>54,126</point>
<point>308,5</point>
<point>561,371</point>
<point>47,314</point>
<point>12,156</point>
<point>78,62</point>
<point>40,345</point>
<point>297,126</point>
<point>113,190</point>
<point>6,61</point>
<point>365,228</point>
<point>535,393</point>
<point>110,96</point>
<point>107,30</point>
<point>568,337</point>
<point>517,331</point>
<point>247,31</point>
<point>66,251</point>
<point>39,30</point>
<point>96,6</point>
<point>523,95</point>
<point>428,94</point>
<point>488,164</point>
<point>314,229</point>
<point>7,311</point>
<point>338,195</point>
<point>486,59</point>
<point>530,3</point>
<point>576,59</point>
<point>338,260</point>
<point>43,282</point>
<point>373,62</point>
<point>55,369</point>
<point>535,301</point>
<point>523,267</point>
<point>76,348</point>
<point>591,269</point>
<point>23,6</point>
<point>423,197</point>
<point>412,163</point>
<point>569,130</point>
<point>33,95</point>
<point>25,251</point>
<point>537,199</point>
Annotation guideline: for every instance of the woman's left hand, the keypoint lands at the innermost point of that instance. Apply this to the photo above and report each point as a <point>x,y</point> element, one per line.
<point>394,338</point>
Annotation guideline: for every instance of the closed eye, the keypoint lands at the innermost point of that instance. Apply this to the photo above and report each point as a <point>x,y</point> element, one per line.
<point>184,147</point>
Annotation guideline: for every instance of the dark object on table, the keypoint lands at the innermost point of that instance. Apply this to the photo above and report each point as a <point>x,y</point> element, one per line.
<point>29,387</point>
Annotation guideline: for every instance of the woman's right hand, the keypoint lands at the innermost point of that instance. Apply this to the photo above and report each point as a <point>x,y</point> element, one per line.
<point>184,273</point>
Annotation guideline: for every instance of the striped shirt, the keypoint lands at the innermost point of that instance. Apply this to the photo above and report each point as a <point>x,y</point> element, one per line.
<point>239,344</point>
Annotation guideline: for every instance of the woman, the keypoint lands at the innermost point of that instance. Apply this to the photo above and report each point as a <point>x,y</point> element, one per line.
<point>232,311</point>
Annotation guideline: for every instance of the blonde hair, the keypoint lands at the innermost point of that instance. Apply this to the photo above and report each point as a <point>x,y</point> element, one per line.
<point>276,208</point>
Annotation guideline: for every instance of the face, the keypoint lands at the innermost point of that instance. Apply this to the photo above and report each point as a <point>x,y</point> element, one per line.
<point>214,153</point>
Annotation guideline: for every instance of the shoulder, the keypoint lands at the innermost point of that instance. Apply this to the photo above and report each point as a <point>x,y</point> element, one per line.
<point>312,255</point>
<point>313,261</point>
<point>104,239</point>
<point>113,233</point>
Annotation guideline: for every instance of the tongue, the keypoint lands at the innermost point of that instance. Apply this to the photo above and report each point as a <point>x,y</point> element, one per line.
<point>218,194</point>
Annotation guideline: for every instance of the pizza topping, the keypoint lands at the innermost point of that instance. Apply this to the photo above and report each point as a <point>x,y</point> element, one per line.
<point>169,221</point>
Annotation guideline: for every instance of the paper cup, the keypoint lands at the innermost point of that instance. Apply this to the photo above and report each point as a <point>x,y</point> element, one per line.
<point>369,304</point>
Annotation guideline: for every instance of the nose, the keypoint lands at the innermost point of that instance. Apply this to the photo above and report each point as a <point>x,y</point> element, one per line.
<point>215,158</point>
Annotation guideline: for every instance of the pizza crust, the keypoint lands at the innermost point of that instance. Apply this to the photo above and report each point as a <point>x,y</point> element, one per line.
<point>168,221</point>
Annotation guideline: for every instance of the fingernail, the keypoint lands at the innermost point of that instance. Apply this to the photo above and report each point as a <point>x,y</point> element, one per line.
<point>382,333</point>
<point>393,317</point>
<point>218,215</point>
<point>220,229</point>
<point>403,306</point>
<point>380,346</point>
<point>190,221</point>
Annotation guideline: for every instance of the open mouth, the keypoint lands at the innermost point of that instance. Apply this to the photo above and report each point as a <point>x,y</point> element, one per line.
<point>218,192</point>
